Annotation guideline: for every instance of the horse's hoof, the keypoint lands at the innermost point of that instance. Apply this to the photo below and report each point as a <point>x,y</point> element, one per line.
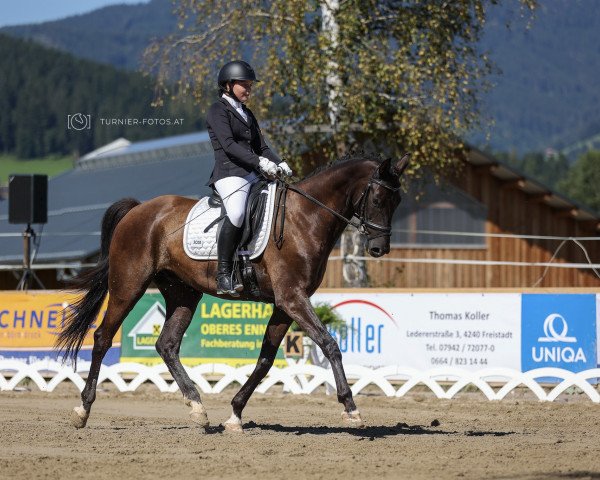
<point>234,424</point>
<point>233,428</point>
<point>353,418</point>
<point>79,417</point>
<point>198,414</point>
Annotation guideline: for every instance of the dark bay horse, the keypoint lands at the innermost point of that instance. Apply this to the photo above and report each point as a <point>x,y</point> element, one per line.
<point>142,242</point>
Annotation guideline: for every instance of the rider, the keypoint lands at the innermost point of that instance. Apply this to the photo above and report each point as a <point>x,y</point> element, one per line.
<point>240,154</point>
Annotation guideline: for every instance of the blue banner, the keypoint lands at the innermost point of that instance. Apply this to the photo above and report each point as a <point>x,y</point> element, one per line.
<point>558,331</point>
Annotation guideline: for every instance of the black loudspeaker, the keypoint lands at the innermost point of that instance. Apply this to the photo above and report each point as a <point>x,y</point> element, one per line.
<point>28,199</point>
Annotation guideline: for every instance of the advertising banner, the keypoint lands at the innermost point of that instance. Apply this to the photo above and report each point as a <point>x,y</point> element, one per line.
<point>30,322</point>
<point>598,329</point>
<point>471,331</point>
<point>559,331</point>
<point>222,331</point>
<point>424,331</point>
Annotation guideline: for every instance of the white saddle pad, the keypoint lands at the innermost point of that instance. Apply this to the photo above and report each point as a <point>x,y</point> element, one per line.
<point>203,246</point>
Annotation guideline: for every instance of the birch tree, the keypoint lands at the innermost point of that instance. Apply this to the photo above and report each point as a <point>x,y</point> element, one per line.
<point>336,74</point>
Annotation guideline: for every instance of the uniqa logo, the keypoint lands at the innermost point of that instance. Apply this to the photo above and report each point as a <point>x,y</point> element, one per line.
<point>557,353</point>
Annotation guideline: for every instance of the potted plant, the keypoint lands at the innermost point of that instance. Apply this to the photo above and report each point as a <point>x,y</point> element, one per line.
<point>333,321</point>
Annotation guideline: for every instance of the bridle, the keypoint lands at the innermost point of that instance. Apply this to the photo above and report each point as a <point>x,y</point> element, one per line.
<point>363,225</point>
<point>364,222</point>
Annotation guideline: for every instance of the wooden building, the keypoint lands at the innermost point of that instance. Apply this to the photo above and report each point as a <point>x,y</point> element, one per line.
<point>499,207</point>
<point>451,222</point>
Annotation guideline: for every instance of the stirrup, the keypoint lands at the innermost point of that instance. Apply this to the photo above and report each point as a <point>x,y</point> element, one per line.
<point>225,286</point>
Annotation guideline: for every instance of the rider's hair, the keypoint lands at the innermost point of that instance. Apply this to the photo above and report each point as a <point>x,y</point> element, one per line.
<point>222,89</point>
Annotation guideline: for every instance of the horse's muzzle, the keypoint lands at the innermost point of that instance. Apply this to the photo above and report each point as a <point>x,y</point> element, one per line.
<point>378,250</point>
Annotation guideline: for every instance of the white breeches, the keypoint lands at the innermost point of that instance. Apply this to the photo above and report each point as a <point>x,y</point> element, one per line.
<point>234,192</point>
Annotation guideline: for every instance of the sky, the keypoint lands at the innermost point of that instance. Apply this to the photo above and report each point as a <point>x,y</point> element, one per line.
<point>17,12</point>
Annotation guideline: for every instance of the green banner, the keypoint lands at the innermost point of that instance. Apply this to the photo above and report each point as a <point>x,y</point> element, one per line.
<point>222,331</point>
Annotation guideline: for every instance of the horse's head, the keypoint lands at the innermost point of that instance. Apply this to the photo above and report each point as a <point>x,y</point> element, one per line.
<point>377,204</point>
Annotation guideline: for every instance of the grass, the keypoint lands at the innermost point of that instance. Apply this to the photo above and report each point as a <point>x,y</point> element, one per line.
<point>51,165</point>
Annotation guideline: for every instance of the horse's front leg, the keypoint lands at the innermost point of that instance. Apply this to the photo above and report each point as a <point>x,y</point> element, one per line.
<point>276,329</point>
<point>300,309</point>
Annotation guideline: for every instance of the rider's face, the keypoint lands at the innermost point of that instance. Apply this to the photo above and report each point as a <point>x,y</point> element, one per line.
<point>241,89</point>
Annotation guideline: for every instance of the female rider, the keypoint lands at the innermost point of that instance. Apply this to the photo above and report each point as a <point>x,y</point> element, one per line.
<point>240,154</point>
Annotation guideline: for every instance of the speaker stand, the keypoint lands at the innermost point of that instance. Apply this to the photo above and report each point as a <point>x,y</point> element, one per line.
<point>28,273</point>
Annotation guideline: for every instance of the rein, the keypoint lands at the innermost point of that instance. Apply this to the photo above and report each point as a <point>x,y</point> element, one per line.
<point>322,205</point>
<point>361,225</point>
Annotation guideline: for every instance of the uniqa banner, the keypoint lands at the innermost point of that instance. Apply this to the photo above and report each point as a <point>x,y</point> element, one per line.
<point>221,331</point>
<point>559,331</point>
<point>30,322</point>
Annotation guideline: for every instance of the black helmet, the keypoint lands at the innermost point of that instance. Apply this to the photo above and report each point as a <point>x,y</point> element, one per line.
<point>236,70</point>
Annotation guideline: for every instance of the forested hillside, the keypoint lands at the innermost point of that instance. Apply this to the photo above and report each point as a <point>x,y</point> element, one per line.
<point>41,87</point>
<point>115,35</point>
<point>545,92</point>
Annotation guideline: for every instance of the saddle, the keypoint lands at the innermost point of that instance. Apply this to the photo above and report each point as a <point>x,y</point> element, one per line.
<point>203,227</point>
<point>255,211</point>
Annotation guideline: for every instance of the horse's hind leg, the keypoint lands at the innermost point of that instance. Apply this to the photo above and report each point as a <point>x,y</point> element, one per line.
<point>276,329</point>
<point>181,301</point>
<point>120,304</point>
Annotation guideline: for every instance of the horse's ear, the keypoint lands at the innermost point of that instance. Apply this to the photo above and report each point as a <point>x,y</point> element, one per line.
<point>385,168</point>
<point>397,168</point>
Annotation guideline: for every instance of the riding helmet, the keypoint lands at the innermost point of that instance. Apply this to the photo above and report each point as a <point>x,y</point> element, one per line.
<point>236,70</point>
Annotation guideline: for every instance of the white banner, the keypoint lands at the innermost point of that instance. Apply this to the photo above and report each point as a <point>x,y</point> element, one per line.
<point>425,331</point>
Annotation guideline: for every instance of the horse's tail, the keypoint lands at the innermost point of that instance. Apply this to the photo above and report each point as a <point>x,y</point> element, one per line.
<point>93,286</point>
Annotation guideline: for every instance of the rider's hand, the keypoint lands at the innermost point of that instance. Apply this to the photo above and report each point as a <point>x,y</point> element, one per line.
<point>285,169</point>
<point>267,166</point>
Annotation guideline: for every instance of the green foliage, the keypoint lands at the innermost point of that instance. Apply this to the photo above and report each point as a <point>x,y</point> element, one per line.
<point>40,87</point>
<point>328,316</point>
<point>583,180</point>
<point>407,74</point>
<point>51,165</point>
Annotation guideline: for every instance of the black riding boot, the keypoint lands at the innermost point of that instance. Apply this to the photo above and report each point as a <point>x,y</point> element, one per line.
<point>226,248</point>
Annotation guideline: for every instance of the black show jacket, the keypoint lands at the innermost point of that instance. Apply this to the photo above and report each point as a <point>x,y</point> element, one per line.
<point>237,143</point>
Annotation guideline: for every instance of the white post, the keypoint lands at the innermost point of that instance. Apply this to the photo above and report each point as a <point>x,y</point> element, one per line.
<point>331,30</point>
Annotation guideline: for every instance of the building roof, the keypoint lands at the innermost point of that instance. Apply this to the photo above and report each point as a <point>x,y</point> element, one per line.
<point>513,177</point>
<point>121,152</point>
<point>77,199</point>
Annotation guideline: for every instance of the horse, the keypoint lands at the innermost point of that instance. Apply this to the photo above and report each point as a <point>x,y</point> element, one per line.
<point>142,243</point>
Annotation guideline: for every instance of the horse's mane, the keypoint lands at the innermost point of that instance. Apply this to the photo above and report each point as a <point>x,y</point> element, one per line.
<point>358,155</point>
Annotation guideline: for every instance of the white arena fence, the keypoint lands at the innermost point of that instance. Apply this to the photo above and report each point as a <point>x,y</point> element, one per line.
<point>305,378</point>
